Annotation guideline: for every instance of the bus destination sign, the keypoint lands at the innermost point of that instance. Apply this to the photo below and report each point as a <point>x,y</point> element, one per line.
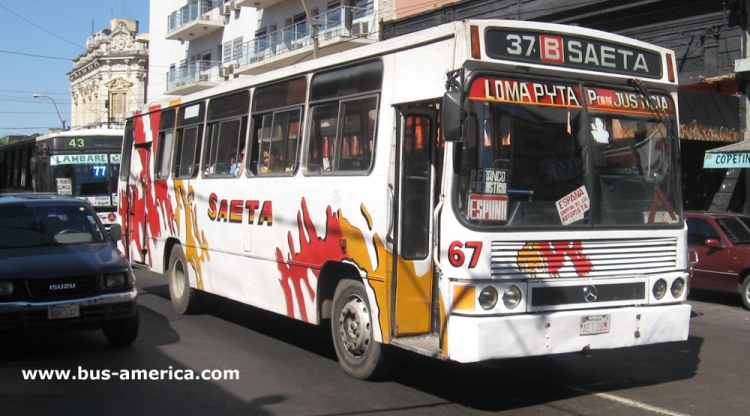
<point>572,52</point>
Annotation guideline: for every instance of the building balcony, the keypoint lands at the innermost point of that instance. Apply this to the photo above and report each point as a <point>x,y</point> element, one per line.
<point>197,76</point>
<point>258,4</point>
<point>196,19</point>
<point>338,30</point>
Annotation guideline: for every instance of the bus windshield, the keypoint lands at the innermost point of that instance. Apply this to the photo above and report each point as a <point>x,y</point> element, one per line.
<point>541,154</point>
<point>87,176</point>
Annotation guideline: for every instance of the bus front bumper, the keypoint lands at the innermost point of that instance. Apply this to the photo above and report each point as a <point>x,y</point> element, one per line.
<point>473,339</point>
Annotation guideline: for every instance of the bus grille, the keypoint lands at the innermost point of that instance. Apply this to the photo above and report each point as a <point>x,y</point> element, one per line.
<point>600,258</point>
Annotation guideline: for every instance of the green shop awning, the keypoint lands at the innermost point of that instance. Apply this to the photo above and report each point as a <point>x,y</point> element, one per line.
<point>736,155</point>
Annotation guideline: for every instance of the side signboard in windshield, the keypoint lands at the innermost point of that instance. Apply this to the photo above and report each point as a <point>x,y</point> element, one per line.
<point>525,92</point>
<point>602,99</point>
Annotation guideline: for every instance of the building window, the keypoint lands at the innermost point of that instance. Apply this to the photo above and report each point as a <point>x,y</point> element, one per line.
<point>227,51</point>
<point>117,105</point>
<point>237,48</point>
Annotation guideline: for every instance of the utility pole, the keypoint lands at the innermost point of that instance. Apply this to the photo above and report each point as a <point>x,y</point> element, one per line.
<point>314,27</point>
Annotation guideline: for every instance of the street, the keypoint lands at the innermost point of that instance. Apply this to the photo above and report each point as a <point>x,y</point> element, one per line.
<point>247,361</point>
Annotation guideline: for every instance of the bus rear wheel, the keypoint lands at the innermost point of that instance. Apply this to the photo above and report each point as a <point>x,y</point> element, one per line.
<point>185,300</point>
<point>351,325</point>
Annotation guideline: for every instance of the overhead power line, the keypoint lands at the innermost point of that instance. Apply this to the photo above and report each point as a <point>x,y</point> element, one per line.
<point>39,27</point>
<point>35,56</point>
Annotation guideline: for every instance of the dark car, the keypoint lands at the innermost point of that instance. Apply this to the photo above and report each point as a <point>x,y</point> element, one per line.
<point>722,241</point>
<point>60,269</point>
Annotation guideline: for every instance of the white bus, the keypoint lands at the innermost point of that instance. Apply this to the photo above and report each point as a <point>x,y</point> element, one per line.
<point>478,190</point>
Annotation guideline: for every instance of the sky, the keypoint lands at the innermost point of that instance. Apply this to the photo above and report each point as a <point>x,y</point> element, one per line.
<point>38,41</point>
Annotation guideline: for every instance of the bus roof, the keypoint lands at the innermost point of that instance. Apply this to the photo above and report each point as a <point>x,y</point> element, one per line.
<point>422,37</point>
<point>82,133</point>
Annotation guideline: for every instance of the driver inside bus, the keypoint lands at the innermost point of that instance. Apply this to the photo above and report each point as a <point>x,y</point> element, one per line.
<point>561,172</point>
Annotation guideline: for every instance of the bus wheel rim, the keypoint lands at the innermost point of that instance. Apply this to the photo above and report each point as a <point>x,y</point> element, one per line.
<point>354,326</point>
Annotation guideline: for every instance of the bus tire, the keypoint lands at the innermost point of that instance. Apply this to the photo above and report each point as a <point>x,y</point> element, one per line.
<point>185,300</point>
<point>745,292</point>
<point>351,326</point>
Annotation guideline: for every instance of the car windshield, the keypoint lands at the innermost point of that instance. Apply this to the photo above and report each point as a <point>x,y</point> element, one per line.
<point>36,226</point>
<point>566,155</point>
<point>736,229</point>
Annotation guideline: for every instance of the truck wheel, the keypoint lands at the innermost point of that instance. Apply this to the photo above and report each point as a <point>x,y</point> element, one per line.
<point>121,332</point>
<point>351,326</point>
<point>185,300</point>
<point>745,292</point>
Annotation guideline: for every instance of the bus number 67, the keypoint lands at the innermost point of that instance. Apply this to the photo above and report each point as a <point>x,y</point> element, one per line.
<point>456,254</point>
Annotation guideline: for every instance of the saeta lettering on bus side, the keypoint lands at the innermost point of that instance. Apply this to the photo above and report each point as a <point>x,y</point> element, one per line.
<point>235,210</point>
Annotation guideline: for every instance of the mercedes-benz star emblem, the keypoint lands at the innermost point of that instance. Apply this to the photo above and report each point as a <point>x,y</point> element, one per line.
<point>590,293</point>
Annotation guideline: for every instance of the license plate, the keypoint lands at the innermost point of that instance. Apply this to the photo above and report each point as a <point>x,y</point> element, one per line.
<point>595,324</point>
<point>63,311</point>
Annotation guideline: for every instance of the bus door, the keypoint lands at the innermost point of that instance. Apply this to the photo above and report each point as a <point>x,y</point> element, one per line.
<point>42,172</point>
<point>414,207</point>
<point>139,189</point>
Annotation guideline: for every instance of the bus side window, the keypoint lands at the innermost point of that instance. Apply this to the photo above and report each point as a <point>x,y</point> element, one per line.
<point>225,135</point>
<point>321,148</point>
<point>349,149</point>
<point>165,145</point>
<point>277,118</point>
<point>358,134</point>
<point>277,141</point>
<point>186,160</point>
<point>222,148</point>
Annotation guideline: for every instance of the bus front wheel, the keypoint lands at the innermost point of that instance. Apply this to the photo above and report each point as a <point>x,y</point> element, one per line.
<point>185,299</point>
<point>351,325</point>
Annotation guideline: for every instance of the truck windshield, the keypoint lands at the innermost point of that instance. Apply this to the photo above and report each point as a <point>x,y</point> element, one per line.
<point>542,154</point>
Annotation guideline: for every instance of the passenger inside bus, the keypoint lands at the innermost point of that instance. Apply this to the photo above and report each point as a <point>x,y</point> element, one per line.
<point>271,161</point>
<point>236,166</point>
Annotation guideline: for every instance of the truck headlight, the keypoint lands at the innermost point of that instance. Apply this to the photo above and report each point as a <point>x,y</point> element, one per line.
<point>6,288</point>
<point>117,280</point>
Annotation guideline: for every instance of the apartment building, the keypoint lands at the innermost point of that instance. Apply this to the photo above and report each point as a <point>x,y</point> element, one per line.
<point>198,44</point>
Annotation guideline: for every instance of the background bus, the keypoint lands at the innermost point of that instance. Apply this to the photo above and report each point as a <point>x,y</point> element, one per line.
<point>15,166</point>
<point>546,218</point>
<point>81,163</point>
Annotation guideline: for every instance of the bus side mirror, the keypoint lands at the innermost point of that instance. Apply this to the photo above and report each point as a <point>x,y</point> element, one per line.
<point>115,231</point>
<point>453,117</point>
<point>32,164</point>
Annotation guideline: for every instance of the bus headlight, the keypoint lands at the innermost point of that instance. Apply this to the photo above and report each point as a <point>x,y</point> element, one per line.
<point>678,286</point>
<point>660,288</point>
<point>512,297</point>
<point>488,298</point>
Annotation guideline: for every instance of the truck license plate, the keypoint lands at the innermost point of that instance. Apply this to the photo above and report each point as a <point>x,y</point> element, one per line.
<point>63,311</point>
<point>595,324</point>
